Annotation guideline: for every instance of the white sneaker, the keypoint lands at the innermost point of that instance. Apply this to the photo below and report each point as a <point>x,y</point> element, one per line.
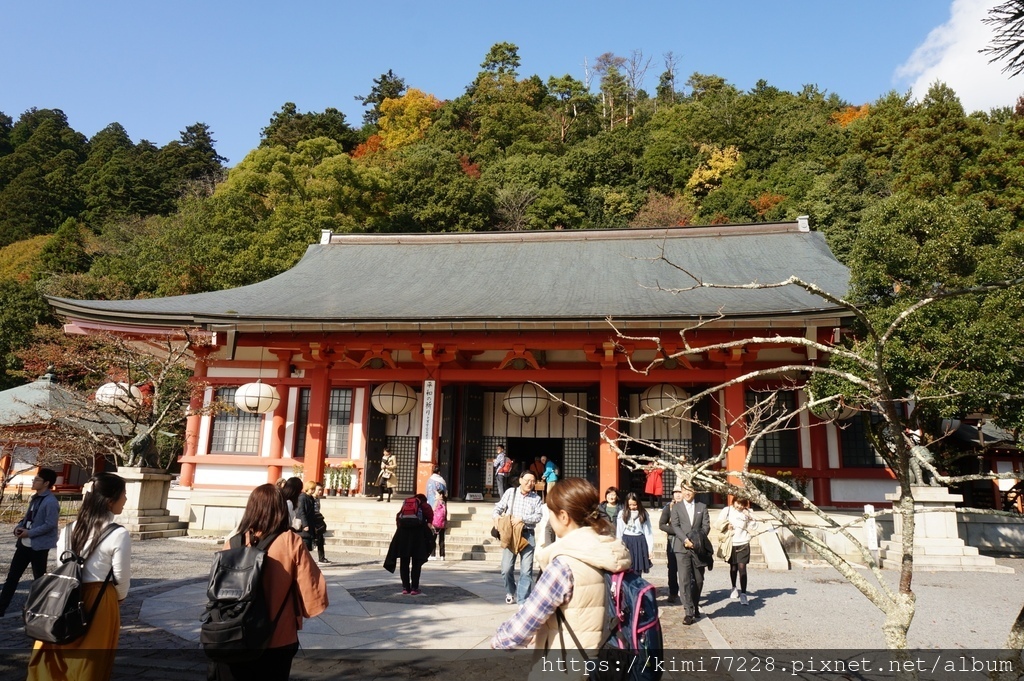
<point>735,594</point>
<point>432,558</point>
<point>442,559</point>
<point>743,599</point>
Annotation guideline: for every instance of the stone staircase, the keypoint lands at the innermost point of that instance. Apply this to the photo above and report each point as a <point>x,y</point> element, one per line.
<point>156,524</point>
<point>363,525</point>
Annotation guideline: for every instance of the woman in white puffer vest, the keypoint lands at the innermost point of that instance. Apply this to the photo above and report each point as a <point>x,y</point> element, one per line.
<point>572,580</point>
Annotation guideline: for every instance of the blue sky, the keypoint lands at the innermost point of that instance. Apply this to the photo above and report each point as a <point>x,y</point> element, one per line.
<point>157,67</point>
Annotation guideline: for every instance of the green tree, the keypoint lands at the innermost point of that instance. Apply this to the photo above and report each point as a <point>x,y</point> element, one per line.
<point>22,310</point>
<point>572,108</point>
<point>288,127</point>
<point>65,252</point>
<point>940,144</point>
<point>38,187</point>
<point>502,60</point>
<point>388,86</point>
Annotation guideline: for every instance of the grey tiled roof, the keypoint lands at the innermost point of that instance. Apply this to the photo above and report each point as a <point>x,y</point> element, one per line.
<point>497,279</point>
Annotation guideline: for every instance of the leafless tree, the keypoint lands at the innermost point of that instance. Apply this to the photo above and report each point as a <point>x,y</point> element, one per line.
<point>864,386</point>
<point>145,426</point>
<point>511,203</point>
<point>1008,43</point>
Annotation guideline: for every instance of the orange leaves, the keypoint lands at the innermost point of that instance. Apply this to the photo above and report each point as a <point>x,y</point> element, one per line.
<point>765,202</point>
<point>850,114</point>
<point>372,145</point>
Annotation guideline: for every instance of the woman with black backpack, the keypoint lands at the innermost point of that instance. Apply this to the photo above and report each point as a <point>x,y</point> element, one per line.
<point>107,553</point>
<point>293,586</point>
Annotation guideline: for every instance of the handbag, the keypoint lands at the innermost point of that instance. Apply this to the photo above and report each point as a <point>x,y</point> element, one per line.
<point>725,546</point>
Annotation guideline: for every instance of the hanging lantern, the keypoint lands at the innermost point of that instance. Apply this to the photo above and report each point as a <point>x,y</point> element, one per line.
<point>836,411</point>
<point>123,396</point>
<point>257,398</point>
<point>393,399</point>
<point>525,401</point>
<point>664,400</point>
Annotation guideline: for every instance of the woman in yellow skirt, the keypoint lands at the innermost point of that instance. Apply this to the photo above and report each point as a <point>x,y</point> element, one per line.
<point>91,658</point>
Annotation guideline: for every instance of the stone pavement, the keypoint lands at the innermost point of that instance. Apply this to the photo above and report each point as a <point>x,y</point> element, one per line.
<point>370,626</point>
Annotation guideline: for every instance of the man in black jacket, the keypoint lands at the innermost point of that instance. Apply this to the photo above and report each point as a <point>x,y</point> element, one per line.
<point>690,526</point>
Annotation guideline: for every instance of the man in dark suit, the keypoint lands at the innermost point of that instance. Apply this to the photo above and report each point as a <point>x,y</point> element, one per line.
<point>666,526</point>
<point>690,526</point>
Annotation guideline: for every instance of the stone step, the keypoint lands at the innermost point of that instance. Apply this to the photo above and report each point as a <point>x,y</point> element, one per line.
<point>927,549</point>
<point>142,535</point>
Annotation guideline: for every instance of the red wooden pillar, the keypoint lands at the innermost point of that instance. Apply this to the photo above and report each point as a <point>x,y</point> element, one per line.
<point>425,468</point>
<point>195,418</point>
<point>735,428</point>
<point>819,462</point>
<point>608,460</point>
<point>278,422</point>
<point>316,430</point>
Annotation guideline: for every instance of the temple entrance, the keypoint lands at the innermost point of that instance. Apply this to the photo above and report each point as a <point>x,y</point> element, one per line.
<point>526,449</point>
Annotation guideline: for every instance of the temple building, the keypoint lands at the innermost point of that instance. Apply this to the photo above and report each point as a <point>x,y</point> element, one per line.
<point>430,345</point>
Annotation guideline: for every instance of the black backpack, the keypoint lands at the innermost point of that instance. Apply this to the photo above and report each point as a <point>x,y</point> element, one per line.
<point>54,611</point>
<point>236,625</point>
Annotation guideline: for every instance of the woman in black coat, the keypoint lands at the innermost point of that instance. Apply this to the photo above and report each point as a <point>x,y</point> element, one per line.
<point>412,543</point>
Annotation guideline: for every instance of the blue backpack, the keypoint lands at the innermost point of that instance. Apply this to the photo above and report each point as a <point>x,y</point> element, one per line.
<point>635,624</point>
<point>634,646</point>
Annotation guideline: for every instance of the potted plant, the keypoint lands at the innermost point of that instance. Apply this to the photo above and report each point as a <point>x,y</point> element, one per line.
<point>801,482</point>
<point>784,495</point>
<point>346,477</point>
<point>333,474</point>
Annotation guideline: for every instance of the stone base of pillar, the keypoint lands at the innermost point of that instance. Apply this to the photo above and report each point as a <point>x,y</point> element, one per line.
<point>937,542</point>
<point>145,513</point>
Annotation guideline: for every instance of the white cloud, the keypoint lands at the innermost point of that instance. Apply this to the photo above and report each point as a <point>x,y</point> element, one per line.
<point>950,54</point>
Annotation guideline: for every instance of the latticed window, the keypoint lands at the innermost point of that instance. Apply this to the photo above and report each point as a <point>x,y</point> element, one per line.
<point>574,458</point>
<point>339,421</point>
<point>236,432</point>
<point>780,447</point>
<point>405,447</point>
<point>855,445</point>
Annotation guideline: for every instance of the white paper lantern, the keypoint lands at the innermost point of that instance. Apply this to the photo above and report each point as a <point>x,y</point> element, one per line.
<point>525,401</point>
<point>257,398</point>
<point>393,399</point>
<point>122,396</point>
<point>663,399</point>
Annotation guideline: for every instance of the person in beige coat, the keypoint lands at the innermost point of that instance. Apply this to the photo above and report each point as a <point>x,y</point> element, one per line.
<point>387,479</point>
<point>572,581</point>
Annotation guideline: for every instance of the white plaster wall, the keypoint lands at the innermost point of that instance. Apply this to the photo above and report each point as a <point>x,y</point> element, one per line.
<point>548,424</point>
<point>866,491</point>
<point>242,474</point>
<point>657,428</point>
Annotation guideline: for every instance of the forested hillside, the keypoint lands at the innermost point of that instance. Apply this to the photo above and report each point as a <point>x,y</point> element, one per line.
<point>904,190</point>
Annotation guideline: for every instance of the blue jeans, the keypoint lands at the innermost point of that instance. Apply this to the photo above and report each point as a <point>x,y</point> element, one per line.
<point>508,564</point>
